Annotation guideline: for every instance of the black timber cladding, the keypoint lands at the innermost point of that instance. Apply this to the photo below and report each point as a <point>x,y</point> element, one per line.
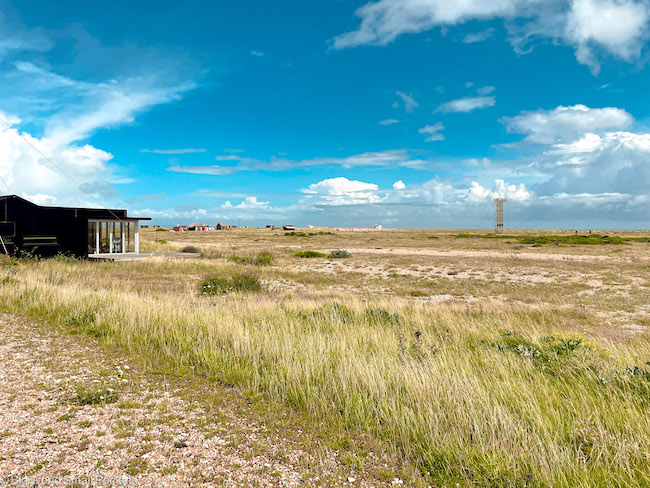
<point>48,231</point>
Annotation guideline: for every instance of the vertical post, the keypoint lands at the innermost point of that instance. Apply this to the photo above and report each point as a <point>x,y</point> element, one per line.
<point>137,237</point>
<point>498,215</point>
<point>97,237</point>
<point>124,224</point>
<point>111,225</point>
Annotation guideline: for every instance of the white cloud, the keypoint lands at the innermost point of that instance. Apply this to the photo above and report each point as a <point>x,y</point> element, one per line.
<point>395,157</point>
<point>27,173</point>
<point>408,102</point>
<point>399,185</point>
<point>618,27</point>
<point>189,150</point>
<point>257,53</point>
<point>383,21</point>
<point>465,105</point>
<point>478,36</point>
<point>388,122</point>
<point>67,111</point>
<point>247,203</point>
<point>213,170</point>
<point>500,189</point>
<point>566,123</point>
<point>486,90</point>
<point>342,191</point>
<point>433,132</point>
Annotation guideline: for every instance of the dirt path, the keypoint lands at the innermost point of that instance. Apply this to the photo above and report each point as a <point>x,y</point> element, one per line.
<point>71,410</point>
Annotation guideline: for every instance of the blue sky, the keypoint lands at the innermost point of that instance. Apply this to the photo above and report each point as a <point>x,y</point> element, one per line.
<point>405,113</point>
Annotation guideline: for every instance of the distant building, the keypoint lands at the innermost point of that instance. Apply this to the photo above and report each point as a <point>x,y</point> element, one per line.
<point>222,226</point>
<point>179,228</point>
<point>198,226</point>
<point>81,232</point>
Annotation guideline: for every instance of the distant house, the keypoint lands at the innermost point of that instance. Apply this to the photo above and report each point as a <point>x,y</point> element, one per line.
<point>179,228</point>
<point>199,226</point>
<point>81,232</point>
<point>222,226</point>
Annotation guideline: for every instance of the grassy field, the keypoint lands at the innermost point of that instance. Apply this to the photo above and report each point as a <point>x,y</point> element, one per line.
<point>517,361</point>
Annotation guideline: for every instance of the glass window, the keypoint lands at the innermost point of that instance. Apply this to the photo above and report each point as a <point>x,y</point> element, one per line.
<point>130,236</point>
<point>104,244</point>
<point>92,237</point>
<point>117,237</point>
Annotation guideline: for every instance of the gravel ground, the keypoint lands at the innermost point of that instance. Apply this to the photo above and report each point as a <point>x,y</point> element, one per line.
<point>73,413</point>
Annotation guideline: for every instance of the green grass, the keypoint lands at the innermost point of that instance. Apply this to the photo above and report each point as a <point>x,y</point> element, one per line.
<point>478,394</point>
<point>309,254</point>
<point>574,239</point>
<point>237,283</point>
<point>341,253</point>
<point>94,396</point>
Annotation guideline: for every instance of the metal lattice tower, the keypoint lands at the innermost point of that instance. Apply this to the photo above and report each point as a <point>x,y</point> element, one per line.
<point>498,215</point>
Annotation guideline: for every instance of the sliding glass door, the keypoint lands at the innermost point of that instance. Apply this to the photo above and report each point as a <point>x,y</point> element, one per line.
<point>92,237</point>
<point>117,228</point>
<point>104,238</point>
<point>112,237</point>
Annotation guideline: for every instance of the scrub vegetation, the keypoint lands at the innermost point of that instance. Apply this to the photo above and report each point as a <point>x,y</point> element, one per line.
<point>480,362</point>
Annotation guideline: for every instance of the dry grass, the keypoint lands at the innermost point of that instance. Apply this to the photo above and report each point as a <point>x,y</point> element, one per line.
<point>497,367</point>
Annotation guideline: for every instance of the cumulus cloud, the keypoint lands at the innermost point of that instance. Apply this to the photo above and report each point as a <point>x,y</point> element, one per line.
<point>65,112</point>
<point>342,191</point>
<point>465,105</point>
<point>500,189</point>
<point>433,132</point>
<point>26,173</point>
<point>566,123</point>
<point>247,203</point>
<point>388,122</point>
<point>618,27</point>
<point>399,185</point>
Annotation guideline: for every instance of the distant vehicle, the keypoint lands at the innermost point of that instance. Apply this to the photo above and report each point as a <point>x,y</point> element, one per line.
<point>289,227</point>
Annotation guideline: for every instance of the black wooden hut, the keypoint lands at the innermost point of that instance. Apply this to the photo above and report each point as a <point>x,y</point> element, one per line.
<point>81,232</point>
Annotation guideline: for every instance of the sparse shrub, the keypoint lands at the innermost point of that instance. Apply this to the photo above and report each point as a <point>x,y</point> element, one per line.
<point>309,254</point>
<point>161,241</point>
<point>240,282</point>
<point>339,254</point>
<point>8,280</point>
<point>332,311</point>
<point>414,349</point>
<point>418,293</point>
<point>65,258</point>
<point>88,396</point>
<point>240,259</point>
<point>381,315</point>
<point>295,234</point>
<point>23,256</point>
<point>84,318</point>
<point>264,258</point>
<point>192,249</point>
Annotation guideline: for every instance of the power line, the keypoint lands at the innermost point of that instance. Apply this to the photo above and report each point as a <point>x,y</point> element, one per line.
<point>5,184</point>
<point>56,166</point>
